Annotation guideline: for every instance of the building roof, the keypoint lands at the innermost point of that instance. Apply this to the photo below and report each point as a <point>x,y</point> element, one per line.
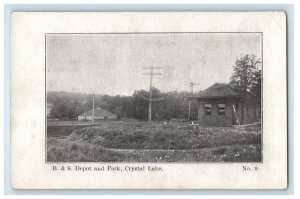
<point>98,112</point>
<point>217,90</point>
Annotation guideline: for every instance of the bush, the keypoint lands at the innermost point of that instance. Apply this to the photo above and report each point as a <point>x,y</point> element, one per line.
<point>74,147</point>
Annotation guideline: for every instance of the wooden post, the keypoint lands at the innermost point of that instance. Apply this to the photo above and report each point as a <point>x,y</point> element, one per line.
<point>150,90</point>
<point>150,96</point>
<point>192,84</point>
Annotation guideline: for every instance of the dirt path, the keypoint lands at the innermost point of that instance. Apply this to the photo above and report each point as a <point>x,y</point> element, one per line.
<point>172,150</point>
<point>152,150</point>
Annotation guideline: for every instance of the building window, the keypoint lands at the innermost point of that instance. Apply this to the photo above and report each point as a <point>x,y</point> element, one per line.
<point>207,109</point>
<point>221,109</point>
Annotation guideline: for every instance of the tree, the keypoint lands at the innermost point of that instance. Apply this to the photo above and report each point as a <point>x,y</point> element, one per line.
<point>246,76</point>
<point>62,109</point>
<point>172,104</point>
<point>140,104</point>
<point>256,88</point>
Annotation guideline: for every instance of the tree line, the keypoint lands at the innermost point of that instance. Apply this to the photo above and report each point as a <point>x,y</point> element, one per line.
<point>245,79</point>
<point>172,105</point>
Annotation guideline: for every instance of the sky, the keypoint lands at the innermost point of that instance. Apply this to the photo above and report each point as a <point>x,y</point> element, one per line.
<point>113,64</point>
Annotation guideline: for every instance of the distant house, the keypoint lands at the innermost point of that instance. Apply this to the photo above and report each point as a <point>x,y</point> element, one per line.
<point>99,114</point>
<point>220,105</point>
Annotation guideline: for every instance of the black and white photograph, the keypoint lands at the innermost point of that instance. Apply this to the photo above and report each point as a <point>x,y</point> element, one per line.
<point>149,100</point>
<point>164,97</point>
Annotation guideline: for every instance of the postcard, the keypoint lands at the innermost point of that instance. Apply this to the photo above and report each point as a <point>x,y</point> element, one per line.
<point>148,100</point>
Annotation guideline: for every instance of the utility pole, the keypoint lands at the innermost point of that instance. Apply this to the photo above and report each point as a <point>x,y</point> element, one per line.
<point>152,73</point>
<point>192,84</point>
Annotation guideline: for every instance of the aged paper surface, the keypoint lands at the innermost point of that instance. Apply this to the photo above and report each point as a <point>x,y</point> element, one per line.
<point>108,54</point>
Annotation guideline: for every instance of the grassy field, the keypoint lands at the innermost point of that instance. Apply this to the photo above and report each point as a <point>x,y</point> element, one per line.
<point>135,141</point>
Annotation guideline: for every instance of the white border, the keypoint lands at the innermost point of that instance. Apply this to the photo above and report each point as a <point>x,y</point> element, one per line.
<point>27,101</point>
